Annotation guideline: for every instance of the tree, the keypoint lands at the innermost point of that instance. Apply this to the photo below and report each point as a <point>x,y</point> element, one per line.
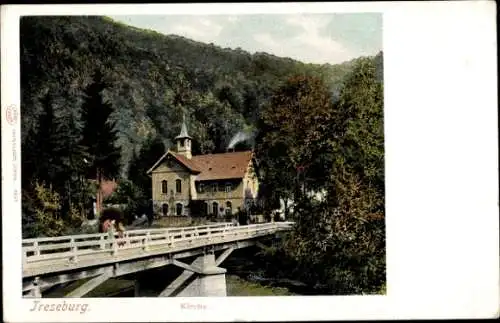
<point>291,137</point>
<point>132,197</point>
<point>51,167</point>
<point>42,212</point>
<point>73,157</point>
<point>152,149</point>
<point>99,134</point>
<point>347,232</point>
<point>48,163</point>
<point>338,241</point>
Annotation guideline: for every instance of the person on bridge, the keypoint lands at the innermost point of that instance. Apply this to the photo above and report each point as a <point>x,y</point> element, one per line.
<point>111,223</point>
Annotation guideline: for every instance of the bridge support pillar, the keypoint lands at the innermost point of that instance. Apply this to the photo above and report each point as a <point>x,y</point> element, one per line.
<point>211,281</point>
<point>202,278</point>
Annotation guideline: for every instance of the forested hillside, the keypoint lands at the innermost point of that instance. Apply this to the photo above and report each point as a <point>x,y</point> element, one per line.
<point>153,78</point>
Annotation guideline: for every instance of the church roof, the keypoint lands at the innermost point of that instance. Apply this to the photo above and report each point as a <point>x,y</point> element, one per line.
<point>208,167</point>
<point>222,166</point>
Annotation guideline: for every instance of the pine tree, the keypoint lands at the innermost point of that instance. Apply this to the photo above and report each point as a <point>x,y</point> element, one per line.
<point>99,135</point>
<point>152,149</point>
<point>29,158</point>
<point>46,166</point>
<point>49,161</point>
<point>73,157</point>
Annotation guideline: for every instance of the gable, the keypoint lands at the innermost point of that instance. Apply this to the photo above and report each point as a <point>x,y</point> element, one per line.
<point>175,159</point>
<point>170,165</point>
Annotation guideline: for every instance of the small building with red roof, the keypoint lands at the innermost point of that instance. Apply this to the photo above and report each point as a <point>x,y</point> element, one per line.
<point>221,183</point>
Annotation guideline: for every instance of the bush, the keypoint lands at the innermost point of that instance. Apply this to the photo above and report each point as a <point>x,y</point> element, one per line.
<point>132,197</point>
<point>42,212</point>
<point>344,251</point>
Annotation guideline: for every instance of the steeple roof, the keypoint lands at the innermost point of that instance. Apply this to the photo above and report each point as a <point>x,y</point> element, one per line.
<point>184,133</point>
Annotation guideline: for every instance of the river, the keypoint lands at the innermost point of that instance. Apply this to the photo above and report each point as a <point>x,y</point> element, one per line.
<point>243,278</point>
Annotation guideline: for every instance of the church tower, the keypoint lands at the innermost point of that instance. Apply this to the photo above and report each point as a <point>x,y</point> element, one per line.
<point>183,140</point>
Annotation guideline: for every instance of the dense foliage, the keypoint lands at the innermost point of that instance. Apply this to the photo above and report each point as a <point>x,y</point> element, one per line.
<point>315,143</point>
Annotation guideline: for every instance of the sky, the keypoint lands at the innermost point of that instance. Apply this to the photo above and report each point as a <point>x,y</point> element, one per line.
<point>310,38</point>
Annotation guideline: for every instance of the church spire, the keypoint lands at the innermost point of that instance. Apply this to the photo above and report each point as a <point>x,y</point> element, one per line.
<point>184,140</point>
<point>184,133</point>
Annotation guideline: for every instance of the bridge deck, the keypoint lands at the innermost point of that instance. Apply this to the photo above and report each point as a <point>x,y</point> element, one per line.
<point>65,253</point>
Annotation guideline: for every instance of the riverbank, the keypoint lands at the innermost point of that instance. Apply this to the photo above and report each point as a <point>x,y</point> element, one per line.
<point>117,287</point>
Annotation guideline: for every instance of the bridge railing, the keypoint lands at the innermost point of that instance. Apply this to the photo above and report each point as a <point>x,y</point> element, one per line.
<point>72,247</point>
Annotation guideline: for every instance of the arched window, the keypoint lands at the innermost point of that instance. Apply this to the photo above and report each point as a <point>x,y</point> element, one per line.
<point>164,187</point>
<point>178,208</point>
<point>215,209</point>
<point>229,208</point>
<point>178,186</point>
<point>164,209</point>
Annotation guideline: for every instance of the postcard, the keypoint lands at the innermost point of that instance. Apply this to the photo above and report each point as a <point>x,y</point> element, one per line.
<point>249,162</point>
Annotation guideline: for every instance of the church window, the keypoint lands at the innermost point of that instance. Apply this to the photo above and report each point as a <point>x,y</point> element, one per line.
<point>178,186</point>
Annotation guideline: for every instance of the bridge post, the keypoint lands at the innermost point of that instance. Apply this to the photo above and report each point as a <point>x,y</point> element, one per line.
<point>36,292</point>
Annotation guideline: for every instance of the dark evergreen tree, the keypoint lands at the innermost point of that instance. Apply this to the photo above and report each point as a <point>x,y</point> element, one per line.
<point>46,167</point>
<point>73,159</point>
<point>134,171</point>
<point>29,161</point>
<point>152,149</point>
<point>99,134</point>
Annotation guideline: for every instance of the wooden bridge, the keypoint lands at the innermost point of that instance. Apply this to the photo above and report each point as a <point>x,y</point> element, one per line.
<point>60,260</point>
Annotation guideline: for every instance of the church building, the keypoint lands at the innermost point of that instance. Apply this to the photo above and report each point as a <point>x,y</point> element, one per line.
<point>218,183</point>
